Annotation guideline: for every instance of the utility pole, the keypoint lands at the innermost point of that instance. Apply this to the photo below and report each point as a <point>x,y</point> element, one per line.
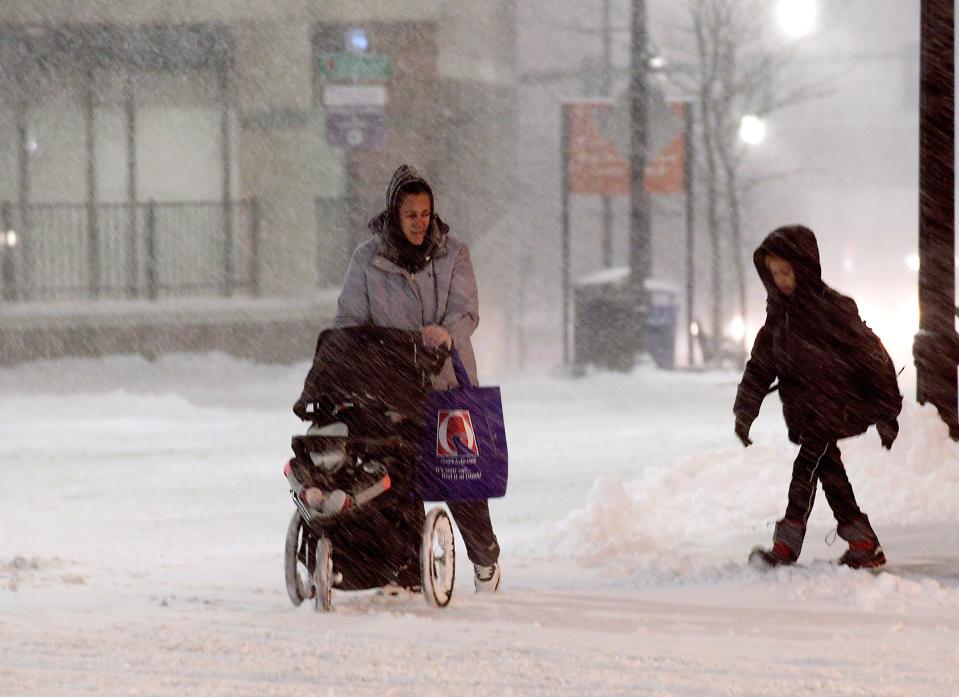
<point>640,247</point>
<point>607,74</point>
<point>689,185</point>
<point>564,227</point>
<point>936,348</point>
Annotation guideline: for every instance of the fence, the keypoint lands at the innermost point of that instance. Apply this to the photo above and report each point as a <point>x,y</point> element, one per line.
<point>145,250</point>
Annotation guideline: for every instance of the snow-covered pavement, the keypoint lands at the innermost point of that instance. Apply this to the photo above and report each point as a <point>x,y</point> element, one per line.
<point>143,513</point>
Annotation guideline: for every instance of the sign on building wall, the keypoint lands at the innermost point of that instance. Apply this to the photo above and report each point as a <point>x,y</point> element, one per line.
<point>355,104</point>
<point>355,115</point>
<point>354,67</point>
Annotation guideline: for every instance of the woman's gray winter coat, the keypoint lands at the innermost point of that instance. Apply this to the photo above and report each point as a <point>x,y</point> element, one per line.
<point>379,292</point>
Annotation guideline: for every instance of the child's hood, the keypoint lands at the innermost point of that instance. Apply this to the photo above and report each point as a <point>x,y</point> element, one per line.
<point>797,245</point>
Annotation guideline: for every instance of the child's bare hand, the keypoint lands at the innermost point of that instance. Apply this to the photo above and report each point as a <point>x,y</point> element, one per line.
<point>742,430</point>
<point>888,430</point>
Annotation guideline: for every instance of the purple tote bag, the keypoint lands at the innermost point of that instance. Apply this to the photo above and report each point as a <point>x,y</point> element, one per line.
<point>463,452</point>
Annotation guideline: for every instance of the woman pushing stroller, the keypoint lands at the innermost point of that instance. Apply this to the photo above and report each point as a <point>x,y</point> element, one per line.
<point>415,275</point>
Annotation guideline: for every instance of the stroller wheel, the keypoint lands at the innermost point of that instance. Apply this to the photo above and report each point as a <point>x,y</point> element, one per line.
<point>297,561</point>
<point>323,575</point>
<point>438,558</point>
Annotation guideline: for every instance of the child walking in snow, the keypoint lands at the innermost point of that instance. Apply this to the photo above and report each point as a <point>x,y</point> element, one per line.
<point>835,380</point>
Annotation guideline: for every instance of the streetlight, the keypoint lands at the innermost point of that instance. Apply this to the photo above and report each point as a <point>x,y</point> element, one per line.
<point>8,238</point>
<point>752,129</point>
<point>357,40</point>
<point>796,17</point>
<point>736,330</point>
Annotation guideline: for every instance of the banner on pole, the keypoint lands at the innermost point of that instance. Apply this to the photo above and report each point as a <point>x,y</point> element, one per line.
<point>665,173</point>
<point>596,166</point>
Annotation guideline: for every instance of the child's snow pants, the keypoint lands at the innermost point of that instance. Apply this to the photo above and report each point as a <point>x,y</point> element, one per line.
<point>821,461</point>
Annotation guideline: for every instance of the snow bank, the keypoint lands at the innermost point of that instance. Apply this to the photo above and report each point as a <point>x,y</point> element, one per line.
<point>916,482</point>
<point>662,520</point>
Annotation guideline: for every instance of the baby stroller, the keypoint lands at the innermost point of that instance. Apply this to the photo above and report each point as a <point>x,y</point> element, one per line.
<point>359,523</point>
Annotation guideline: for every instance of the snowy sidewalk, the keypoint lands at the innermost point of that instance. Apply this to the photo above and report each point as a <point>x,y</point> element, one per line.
<point>144,510</point>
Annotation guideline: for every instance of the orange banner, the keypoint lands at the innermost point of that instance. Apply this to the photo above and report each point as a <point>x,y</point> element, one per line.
<point>596,167</point>
<point>665,174</point>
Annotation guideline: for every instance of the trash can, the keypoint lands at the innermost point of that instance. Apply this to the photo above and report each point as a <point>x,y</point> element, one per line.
<point>609,329</point>
<point>659,337</point>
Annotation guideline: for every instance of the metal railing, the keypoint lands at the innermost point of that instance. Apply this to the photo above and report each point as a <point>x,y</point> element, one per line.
<point>65,251</point>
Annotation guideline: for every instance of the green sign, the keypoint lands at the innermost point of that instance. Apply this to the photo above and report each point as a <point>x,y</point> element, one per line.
<point>355,67</point>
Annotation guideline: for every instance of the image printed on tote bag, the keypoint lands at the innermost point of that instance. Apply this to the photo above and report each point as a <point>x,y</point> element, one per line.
<point>455,437</point>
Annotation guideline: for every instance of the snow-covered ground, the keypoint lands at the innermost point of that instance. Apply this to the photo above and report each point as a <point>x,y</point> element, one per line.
<point>143,511</point>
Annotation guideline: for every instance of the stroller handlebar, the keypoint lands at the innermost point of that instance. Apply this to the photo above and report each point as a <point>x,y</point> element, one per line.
<point>369,367</point>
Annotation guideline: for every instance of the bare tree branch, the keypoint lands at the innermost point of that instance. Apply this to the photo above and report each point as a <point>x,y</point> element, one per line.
<point>737,70</point>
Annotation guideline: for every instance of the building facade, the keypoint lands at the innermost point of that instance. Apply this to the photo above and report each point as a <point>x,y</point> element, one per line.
<point>152,150</point>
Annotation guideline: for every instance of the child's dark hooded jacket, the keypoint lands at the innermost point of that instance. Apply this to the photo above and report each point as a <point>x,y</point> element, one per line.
<point>835,377</point>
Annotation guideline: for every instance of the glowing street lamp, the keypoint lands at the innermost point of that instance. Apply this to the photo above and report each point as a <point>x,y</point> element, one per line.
<point>796,17</point>
<point>736,329</point>
<point>357,40</point>
<point>8,239</point>
<point>657,62</point>
<point>752,129</point>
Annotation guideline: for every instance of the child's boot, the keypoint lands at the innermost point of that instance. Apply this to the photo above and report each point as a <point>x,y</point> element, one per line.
<point>778,555</point>
<point>864,550</point>
<point>787,541</point>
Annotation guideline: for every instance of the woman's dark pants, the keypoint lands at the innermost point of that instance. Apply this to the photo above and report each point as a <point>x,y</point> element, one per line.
<point>472,518</point>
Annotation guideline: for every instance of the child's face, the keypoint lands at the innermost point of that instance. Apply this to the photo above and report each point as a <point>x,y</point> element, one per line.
<point>782,272</point>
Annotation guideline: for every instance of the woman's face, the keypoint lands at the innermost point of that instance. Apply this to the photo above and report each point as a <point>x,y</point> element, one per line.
<point>415,217</point>
<point>782,272</point>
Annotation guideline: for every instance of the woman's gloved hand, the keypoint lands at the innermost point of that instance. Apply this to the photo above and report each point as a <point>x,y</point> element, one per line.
<point>435,336</point>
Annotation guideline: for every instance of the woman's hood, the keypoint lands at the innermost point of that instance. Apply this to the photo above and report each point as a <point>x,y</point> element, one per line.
<point>385,224</point>
<point>404,175</point>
